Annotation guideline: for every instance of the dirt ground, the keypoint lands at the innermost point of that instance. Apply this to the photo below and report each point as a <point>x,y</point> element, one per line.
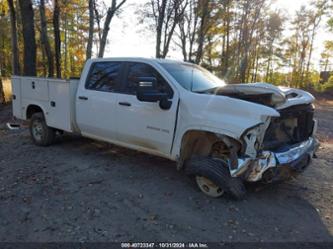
<point>82,190</point>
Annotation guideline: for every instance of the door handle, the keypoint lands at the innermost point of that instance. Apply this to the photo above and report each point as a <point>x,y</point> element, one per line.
<point>124,103</point>
<point>83,97</point>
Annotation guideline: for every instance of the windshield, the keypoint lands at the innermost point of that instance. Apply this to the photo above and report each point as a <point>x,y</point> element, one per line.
<point>193,77</point>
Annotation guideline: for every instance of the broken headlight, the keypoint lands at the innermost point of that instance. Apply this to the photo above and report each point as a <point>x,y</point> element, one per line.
<point>253,138</point>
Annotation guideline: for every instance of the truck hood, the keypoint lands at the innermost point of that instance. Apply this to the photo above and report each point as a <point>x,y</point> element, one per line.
<point>266,94</point>
<point>223,115</point>
<point>239,107</point>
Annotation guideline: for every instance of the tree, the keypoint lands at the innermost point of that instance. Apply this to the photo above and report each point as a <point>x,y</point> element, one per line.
<point>227,18</point>
<point>326,56</point>
<point>28,30</point>
<point>204,14</point>
<point>3,10</point>
<point>45,39</point>
<point>315,19</point>
<point>159,15</point>
<point>57,41</point>
<point>166,15</point>
<point>15,51</point>
<point>112,10</point>
<point>274,31</point>
<point>91,28</point>
<point>74,27</point>
<point>187,27</point>
<point>249,19</point>
<point>298,46</point>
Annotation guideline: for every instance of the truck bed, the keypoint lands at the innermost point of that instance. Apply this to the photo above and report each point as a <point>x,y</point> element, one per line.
<point>54,96</point>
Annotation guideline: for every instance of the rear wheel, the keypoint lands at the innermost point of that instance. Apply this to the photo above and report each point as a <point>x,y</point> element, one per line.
<point>213,177</point>
<point>41,134</point>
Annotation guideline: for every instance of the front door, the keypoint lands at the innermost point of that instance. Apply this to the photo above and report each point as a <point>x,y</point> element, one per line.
<point>145,124</point>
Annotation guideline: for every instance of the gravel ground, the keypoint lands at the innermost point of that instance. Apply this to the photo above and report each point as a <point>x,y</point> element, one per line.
<point>83,190</point>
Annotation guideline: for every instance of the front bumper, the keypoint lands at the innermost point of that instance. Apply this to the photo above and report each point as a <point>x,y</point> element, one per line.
<point>273,166</point>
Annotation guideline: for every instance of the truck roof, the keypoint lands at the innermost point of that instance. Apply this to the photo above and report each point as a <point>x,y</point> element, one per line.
<point>139,59</point>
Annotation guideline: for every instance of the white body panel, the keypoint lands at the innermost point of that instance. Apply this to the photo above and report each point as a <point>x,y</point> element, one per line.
<point>51,95</point>
<point>17,98</point>
<point>96,116</point>
<point>144,126</point>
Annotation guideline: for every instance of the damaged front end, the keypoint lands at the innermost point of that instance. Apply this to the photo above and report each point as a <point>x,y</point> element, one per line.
<point>273,166</point>
<point>277,148</point>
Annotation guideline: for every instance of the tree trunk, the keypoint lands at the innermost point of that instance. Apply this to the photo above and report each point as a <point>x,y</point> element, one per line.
<point>182,37</point>
<point>203,30</point>
<point>15,52</point>
<point>111,11</point>
<point>28,30</point>
<point>44,61</point>
<point>247,36</point>
<point>159,26</point>
<point>226,59</point>
<point>315,26</point>
<point>57,41</point>
<point>91,29</point>
<point>192,35</point>
<point>168,40</point>
<point>326,64</point>
<point>98,21</point>
<point>65,45</point>
<point>2,94</point>
<point>106,29</point>
<point>44,39</point>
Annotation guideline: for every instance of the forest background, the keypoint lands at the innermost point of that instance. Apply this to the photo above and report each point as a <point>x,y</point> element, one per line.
<point>238,40</point>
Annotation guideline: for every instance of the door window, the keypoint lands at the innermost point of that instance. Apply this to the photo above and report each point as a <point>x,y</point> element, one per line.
<point>137,70</point>
<point>104,76</point>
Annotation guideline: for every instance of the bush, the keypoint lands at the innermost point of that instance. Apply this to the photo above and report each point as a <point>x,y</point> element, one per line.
<point>328,85</point>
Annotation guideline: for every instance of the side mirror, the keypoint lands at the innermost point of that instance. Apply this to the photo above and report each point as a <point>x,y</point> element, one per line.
<point>147,92</point>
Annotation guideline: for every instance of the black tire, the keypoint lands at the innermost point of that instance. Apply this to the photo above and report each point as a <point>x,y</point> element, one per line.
<point>46,135</point>
<point>216,171</point>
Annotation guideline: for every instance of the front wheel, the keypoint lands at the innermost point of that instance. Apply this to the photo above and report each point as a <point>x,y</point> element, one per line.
<point>41,134</point>
<point>213,177</point>
<point>208,187</point>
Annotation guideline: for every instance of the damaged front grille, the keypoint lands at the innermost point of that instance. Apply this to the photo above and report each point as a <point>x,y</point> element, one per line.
<point>294,125</point>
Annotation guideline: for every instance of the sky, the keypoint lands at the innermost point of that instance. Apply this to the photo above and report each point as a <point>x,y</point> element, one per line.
<point>128,38</point>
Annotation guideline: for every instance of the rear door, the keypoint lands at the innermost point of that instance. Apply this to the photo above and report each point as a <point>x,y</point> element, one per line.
<point>96,100</point>
<point>145,124</point>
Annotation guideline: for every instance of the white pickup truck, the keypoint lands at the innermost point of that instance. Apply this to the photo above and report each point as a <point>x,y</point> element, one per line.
<point>221,134</point>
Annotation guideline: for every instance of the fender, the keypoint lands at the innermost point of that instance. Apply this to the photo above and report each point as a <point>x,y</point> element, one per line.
<point>180,135</point>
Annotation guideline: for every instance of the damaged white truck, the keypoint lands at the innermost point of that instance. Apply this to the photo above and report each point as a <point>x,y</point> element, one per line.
<point>223,135</point>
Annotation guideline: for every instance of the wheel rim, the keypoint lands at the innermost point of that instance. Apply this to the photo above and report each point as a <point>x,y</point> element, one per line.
<point>37,130</point>
<point>208,187</point>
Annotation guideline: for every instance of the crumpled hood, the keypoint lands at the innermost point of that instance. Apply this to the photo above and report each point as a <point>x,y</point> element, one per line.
<point>281,97</point>
<point>295,97</point>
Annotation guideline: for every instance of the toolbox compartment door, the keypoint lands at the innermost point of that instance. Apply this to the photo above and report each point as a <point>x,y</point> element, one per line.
<point>17,98</point>
<point>59,115</point>
<point>34,88</point>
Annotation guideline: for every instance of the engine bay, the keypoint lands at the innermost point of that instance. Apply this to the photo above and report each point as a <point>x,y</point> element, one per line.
<point>295,125</point>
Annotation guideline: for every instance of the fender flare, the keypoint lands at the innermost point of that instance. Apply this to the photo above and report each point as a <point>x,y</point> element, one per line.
<point>39,105</point>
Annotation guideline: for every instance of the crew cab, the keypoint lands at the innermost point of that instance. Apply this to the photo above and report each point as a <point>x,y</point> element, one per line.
<point>221,134</point>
